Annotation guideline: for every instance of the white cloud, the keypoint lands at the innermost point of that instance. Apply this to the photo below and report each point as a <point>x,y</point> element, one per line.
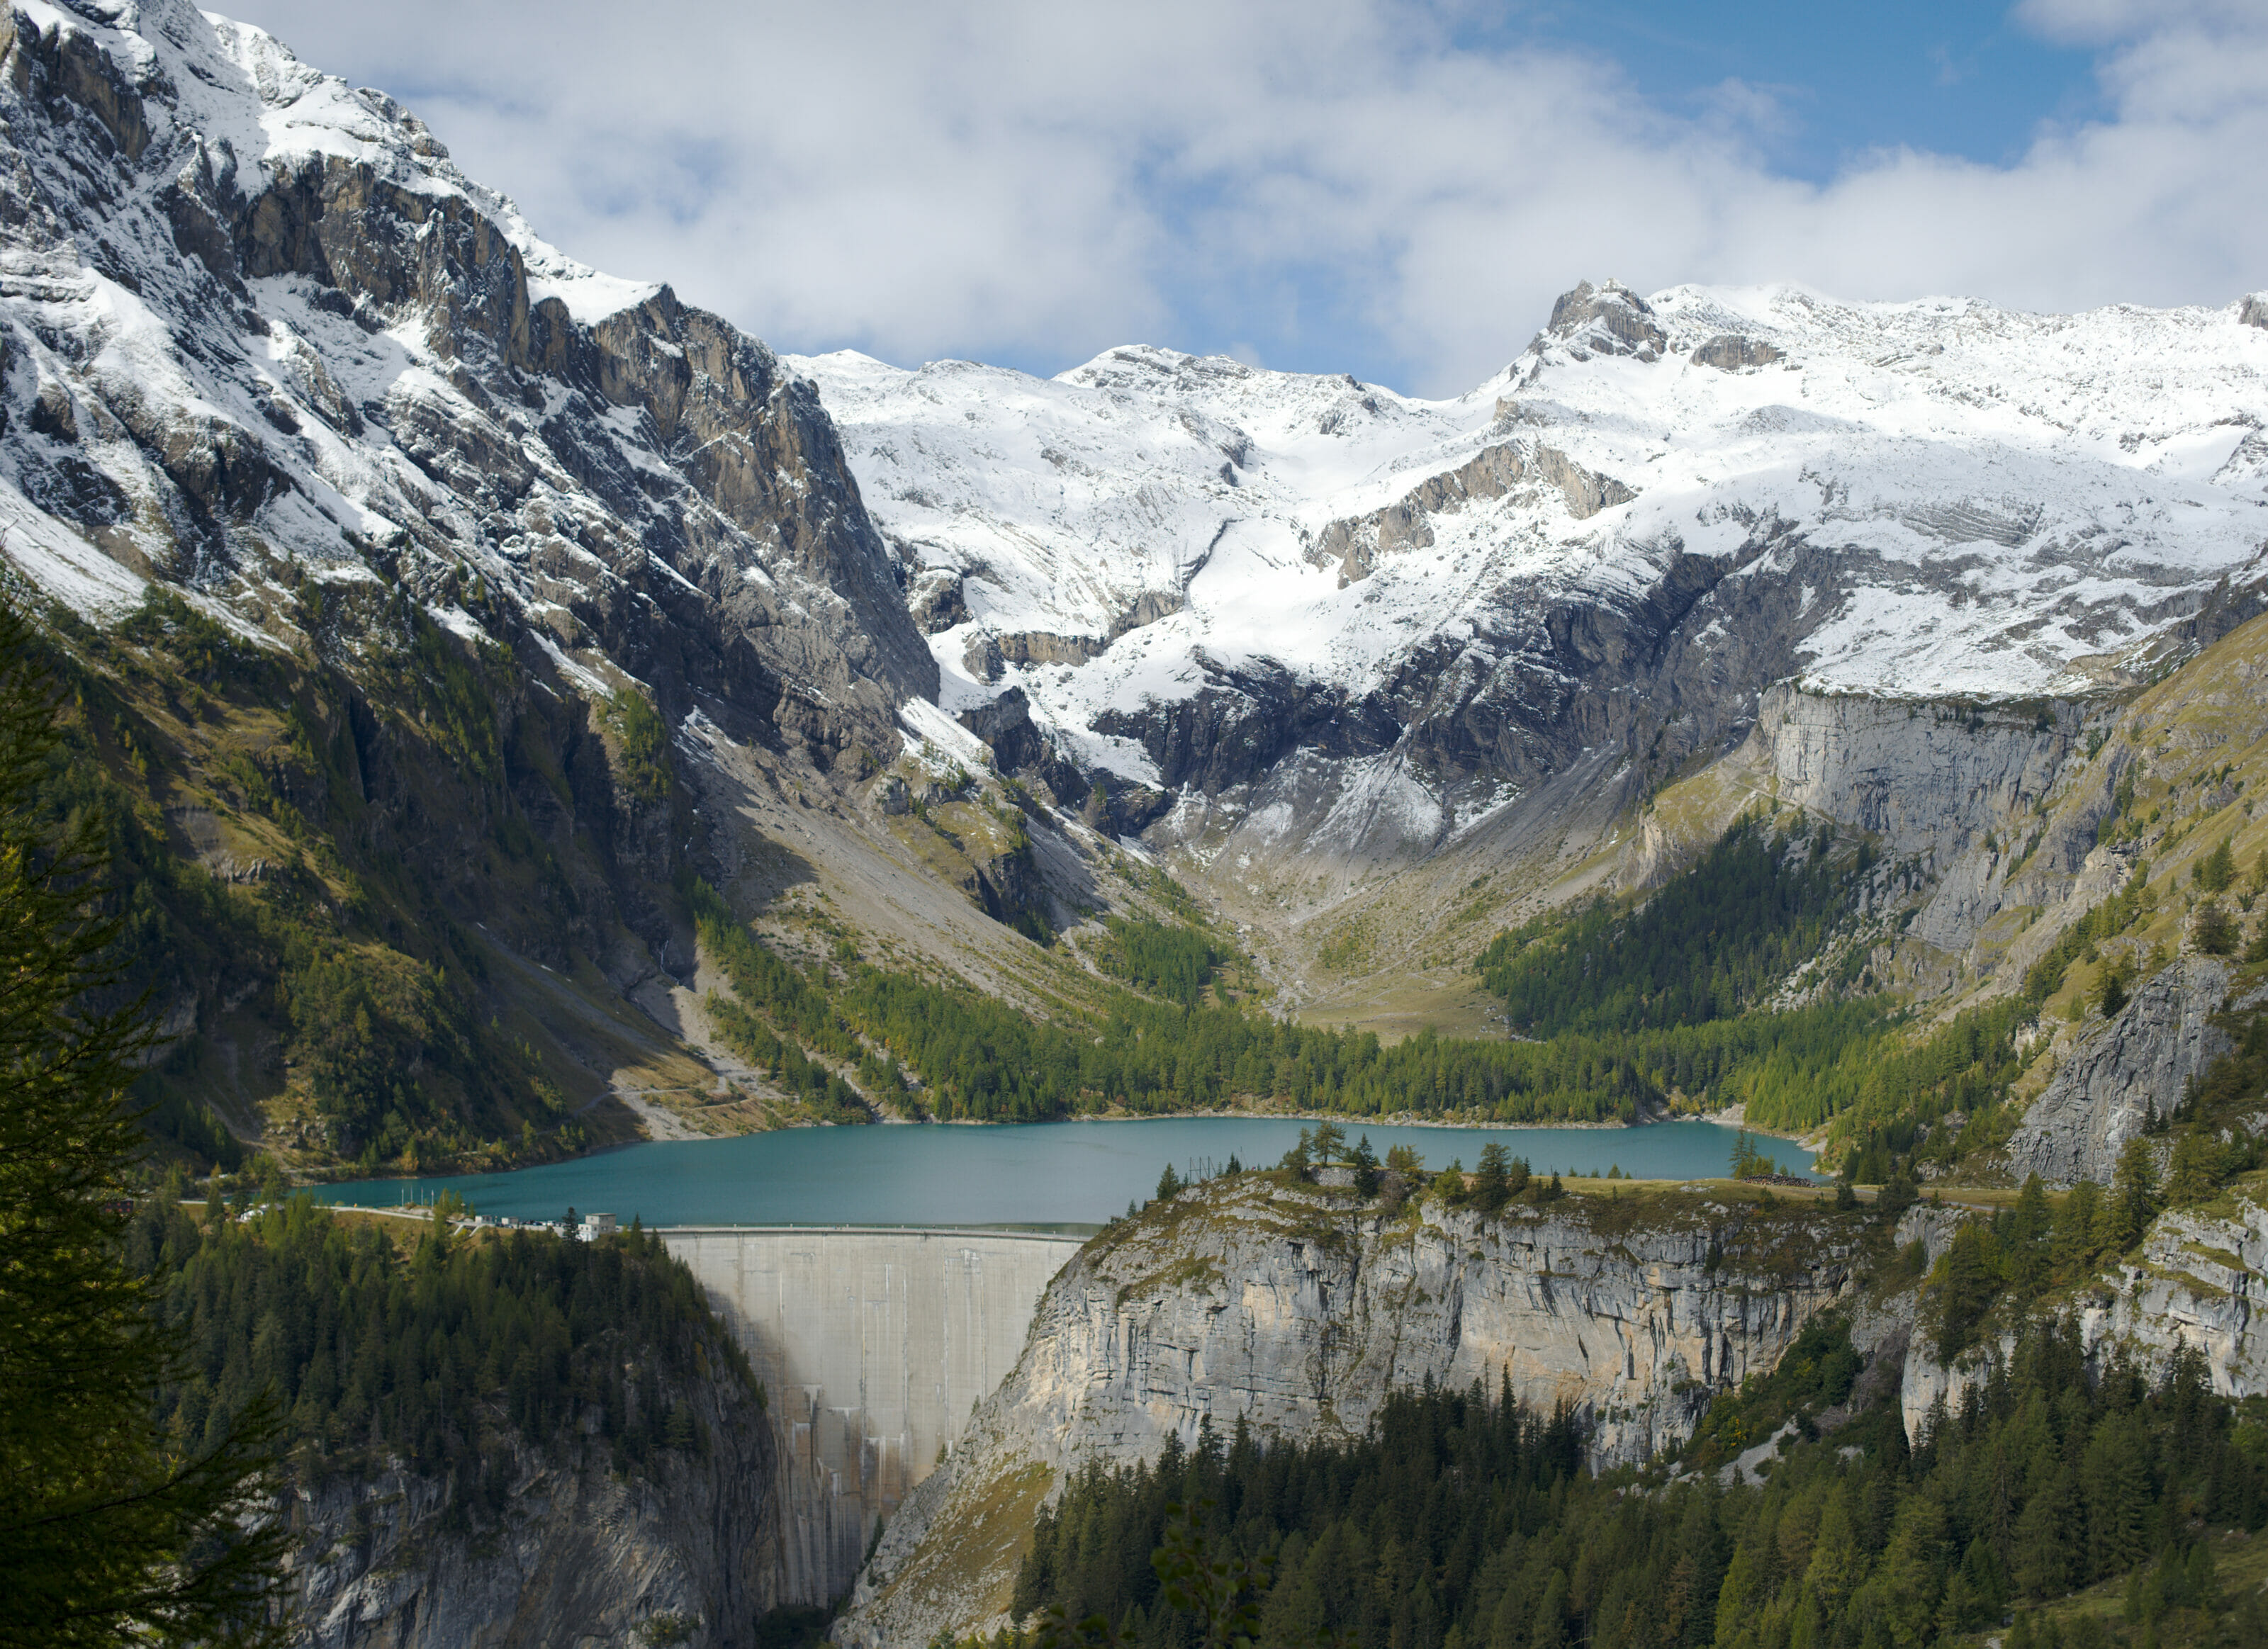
<point>1043,179</point>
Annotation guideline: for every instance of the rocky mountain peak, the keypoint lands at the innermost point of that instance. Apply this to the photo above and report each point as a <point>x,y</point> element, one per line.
<point>1612,319</point>
<point>280,327</point>
<point>1383,623</point>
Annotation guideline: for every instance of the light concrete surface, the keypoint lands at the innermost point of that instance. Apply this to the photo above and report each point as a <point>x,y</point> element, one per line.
<point>873,1344</point>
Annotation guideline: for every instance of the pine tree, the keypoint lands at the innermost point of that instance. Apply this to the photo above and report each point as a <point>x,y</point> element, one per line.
<point>2044,1557</point>
<point>108,1534</point>
<point>1836,1560</point>
<point>2028,1231</point>
<point>2110,991</point>
<point>2114,1481</point>
<point>1366,1168</point>
<point>2075,1242</point>
<point>2214,930</point>
<point>2195,1172</point>
<point>2216,872</point>
<point>1549,1629</point>
<point>1492,1183</point>
<point>2133,1195</point>
<point>1969,1279</point>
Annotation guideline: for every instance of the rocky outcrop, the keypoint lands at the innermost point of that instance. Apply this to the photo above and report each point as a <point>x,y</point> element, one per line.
<point>2107,1088</point>
<point>1294,1311</point>
<point>1729,351</point>
<point>1608,319</point>
<point>2200,1280</point>
<point>683,1548</point>
<point>1357,545</point>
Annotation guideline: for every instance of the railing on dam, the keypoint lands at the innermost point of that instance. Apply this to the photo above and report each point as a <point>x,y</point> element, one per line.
<point>874,1344</point>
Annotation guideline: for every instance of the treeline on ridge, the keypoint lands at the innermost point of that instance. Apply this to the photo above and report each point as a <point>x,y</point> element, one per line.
<point>978,1058</point>
<point>1676,984</point>
<point>1163,958</point>
<point>443,1356</point>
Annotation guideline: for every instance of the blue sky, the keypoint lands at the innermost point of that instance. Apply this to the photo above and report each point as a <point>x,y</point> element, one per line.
<point>1393,187</point>
<point>1958,79</point>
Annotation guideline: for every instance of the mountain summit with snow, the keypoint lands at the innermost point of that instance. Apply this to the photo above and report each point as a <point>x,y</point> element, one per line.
<point>1196,571</point>
<point>268,348</point>
<point>261,330</point>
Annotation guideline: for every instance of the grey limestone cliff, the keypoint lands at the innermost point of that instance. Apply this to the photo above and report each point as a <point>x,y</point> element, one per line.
<point>1926,779</point>
<point>686,1547</point>
<point>2198,1281</point>
<point>1295,1312</point>
<point>2105,1089</point>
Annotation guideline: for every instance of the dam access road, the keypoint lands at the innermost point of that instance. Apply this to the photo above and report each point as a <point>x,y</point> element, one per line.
<point>873,1344</point>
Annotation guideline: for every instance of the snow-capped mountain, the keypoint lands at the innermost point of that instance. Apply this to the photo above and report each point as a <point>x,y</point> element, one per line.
<point>1196,571</point>
<point>263,337</point>
<point>260,329</point>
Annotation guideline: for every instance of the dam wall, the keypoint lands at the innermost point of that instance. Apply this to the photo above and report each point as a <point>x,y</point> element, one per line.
<point>873,1346</point>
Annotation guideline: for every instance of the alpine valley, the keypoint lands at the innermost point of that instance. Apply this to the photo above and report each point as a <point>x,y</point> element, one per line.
<point>528,715</point>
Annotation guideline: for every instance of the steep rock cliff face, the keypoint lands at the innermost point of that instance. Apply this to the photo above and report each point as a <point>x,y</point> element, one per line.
<point>2106,1088</point>
<point>271,320</point>
<point>1927,782</point>
<point>1294,1311</point>
<point>582,1554</point>
<point>1926,779</point>
<point>427,544</point>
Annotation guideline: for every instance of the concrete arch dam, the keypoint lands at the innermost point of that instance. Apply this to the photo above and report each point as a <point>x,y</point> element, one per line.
<point>873,1344</point>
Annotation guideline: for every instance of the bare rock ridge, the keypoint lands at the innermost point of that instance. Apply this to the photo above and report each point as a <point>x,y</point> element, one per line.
<point>1356,546</point>
<point>1610,319</point>
<point>1245,1301</point>
<point>1729,351</point>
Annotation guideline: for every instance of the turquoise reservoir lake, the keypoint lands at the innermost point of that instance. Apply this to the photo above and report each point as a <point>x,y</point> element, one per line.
<point>1040,1173</point>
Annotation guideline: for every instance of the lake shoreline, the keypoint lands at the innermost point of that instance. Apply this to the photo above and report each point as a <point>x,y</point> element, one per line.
<point>1729,1118</point>
<point>1065,1172</point>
